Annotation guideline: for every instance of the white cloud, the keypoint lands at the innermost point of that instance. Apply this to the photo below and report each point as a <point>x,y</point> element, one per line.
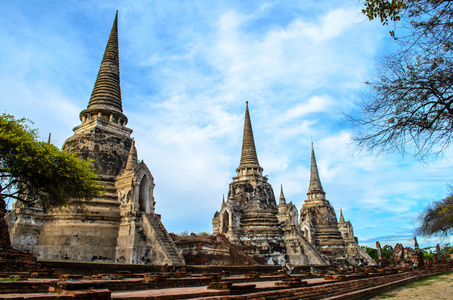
<point>186,73</point>
<point>313,105</point>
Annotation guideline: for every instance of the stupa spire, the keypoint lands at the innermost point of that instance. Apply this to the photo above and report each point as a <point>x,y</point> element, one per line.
<point>132,160</point>
<point>341,216</point>
<point>315,187</point>
<point>249,159</point>
<point>107,90</point>
<point>282,200</point>
<point>106,96</point>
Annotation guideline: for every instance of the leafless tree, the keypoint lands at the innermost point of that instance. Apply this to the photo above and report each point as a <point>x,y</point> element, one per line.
<point>408,107</point>
<point>437,218</point>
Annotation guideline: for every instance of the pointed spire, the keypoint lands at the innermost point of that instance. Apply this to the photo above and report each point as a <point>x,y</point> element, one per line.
<point>132,160</point>
<point>341,216</point>
<point>106,95</point>
<point>230,193</point>
<point>315,186</point>
<point>223,201</point>
<point>249,159</point>
<point>107,91</point>
<point>50,137</point>
<point>282,200</point>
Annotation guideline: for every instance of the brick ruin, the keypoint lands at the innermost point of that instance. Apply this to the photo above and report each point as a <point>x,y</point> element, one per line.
<point>319,225</point>
<point>122,226</point>
<point>216,250</point>
<point>119,226</point>
<point>78,280</point>
<point>404,257</point>
<point>251,217</point>
<point>250,230</point>
<point>12,259</point>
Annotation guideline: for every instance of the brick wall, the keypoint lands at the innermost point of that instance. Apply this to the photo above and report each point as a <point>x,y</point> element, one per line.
<point>12,260</point>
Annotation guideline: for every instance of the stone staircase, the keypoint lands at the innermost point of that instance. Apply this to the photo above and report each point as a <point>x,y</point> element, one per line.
<point>110,192</point>
<point>175,256</point>
<point>260,221</point>
<point>309,250</point>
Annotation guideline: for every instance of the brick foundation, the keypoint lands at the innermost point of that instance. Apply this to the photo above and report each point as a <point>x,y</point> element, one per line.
<point>12,260</point>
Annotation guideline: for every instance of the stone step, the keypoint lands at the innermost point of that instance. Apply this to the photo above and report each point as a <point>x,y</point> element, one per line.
<point>268,219</point>
<point>260,223</point>
<point>160,231</point>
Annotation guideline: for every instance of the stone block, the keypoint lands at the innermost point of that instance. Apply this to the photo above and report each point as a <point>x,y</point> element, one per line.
<point>337,277</point>
<point>67,277</point>
<point>220,285</point>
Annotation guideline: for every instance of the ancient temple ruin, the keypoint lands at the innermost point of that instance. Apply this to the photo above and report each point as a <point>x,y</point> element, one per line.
<point>119,226</point>
<point>251,216</point>
<point>122,226</point>
<point>318,222</point>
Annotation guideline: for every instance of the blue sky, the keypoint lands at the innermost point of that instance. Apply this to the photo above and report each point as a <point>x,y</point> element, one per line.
<point>187,68</point>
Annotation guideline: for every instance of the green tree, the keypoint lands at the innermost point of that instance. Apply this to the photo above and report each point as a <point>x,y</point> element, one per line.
<point>409,104</point>
<point>387,250</point>
<point>38,173</point>
<point>446,250</point>
<point>372,252</point>
<point>427,253</point>
<point>437,218</point>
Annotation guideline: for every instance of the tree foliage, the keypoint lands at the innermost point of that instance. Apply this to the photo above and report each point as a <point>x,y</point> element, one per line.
<point>437,218</point>
<point>409,106</point>
<point>373,253</point>
<point>387,251</point>
<point>384,10</point>
<point>36,172</point>
<point>446,250</point>
<point>427,253</point>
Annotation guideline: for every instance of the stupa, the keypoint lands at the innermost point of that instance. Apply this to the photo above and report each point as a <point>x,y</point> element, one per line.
<point>251,216</point>
<point>119,226</point>
<point>318,222</point>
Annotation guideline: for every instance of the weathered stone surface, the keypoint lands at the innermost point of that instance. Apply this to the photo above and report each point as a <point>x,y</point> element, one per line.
<point>108,150</point>
<point>119,226</point>
<point>216,250</point>
<point>24,225</point>
<point>10,258</point>
<point>318,221</point>
<point>251,216</point>
<point>407,257</point>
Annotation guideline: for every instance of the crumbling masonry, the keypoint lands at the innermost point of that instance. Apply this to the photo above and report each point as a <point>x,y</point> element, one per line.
<point>251,216</point>
<point>121,225</point>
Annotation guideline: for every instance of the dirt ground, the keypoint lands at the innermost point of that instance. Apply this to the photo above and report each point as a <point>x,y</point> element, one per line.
<point>438,288</point>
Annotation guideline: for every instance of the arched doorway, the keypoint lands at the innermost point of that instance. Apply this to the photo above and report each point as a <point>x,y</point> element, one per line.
<point>225,222</point>
<point>143,194</point>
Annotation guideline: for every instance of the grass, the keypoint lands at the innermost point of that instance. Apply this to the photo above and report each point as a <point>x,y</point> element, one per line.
<point>428,280</point>
<point>386,296</point>
<point>422,282</point>
<point>11,279</point>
